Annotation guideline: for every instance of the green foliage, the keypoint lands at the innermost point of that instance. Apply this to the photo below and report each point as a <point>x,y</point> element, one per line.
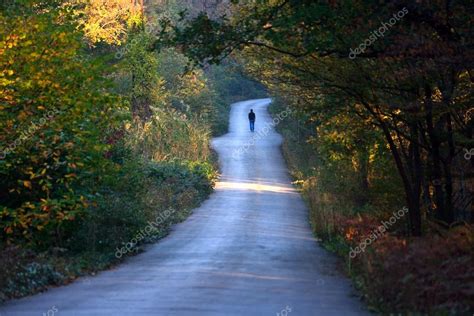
<point>55,110</point>
<point>188,91</point>
<point>125,204</point>
<point>401,67</point>
<point>395,273</point>
<point>205,95</point>
<point>21,276</point>
<point>93,148</point>
<point>197,175</point>
<point>138,194</point>
<point>169,135</point>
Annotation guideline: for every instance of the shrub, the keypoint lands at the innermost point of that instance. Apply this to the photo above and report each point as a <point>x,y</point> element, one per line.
<point>55,110</point>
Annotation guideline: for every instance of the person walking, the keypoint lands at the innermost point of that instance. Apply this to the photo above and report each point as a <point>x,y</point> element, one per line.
<point>252,120</point>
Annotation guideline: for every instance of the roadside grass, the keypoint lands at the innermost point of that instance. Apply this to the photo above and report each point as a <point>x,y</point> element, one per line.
<point>125,209</point>
<point>395,274</point>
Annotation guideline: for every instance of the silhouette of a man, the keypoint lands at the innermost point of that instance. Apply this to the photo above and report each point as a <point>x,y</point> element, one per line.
<point>252,120</point>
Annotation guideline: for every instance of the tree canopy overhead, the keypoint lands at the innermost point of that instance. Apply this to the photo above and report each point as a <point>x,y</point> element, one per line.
<point>402,67</point>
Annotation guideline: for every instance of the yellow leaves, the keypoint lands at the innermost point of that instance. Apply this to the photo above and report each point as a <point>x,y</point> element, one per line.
<point>437,96</point>
<point>29,205</point>
<point>4,82</point>
<point>61,35</point>
<point>11,41</point>
<point>40,107</point>
<point>43,82</point>
<point>27,184</point>
<point>147,126</point>
<point>24,222</point>
<point>22,115</point>
<point>4,212</point>
<point>11,37</point>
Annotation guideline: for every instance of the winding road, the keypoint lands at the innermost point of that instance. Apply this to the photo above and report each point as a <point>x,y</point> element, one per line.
<point>247,250</point>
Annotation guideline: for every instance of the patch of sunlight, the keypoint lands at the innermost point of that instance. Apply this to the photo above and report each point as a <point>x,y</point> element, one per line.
<point>253,186</point>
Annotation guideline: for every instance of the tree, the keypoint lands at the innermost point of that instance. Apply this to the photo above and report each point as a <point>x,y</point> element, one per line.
<point>413,80</point>
<point>56,109</point>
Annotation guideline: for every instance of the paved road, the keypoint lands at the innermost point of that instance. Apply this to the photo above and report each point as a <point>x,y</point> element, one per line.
<point>248,250</point>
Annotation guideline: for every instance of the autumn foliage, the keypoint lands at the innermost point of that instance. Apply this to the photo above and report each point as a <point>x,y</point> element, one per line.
<point>55,109</point>
<point>430,275</point>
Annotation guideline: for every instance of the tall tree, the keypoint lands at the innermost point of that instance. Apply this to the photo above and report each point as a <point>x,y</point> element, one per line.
<point>407,66</point>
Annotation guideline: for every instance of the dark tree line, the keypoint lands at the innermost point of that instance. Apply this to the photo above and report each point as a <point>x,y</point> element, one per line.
<point>413,81</point>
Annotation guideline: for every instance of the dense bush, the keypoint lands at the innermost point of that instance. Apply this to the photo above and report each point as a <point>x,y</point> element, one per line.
<point>137,195</point>
<point>92,148</point>
<point>55,110</point>
<point>140,193</point>
<point>101,132</point>
<point>430,274</point>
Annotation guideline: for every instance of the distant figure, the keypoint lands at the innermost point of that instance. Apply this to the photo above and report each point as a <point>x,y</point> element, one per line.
<point>252,120</point>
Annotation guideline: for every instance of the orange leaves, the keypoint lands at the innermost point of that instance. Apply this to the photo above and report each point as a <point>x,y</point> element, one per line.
<point>27,184</point>
<point>424,274</point>
<point>22,115</point>
<point>10,41</point>
<point>354,229</point>
<point>351,232</point>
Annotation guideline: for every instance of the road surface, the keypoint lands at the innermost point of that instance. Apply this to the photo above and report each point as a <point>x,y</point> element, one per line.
<point>248,250</point>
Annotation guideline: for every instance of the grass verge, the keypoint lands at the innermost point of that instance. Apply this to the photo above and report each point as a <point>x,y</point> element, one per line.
<point>135,209</point>
<point>396,274</point>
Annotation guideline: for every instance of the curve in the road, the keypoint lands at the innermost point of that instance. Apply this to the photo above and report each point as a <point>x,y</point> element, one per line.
<point>248,250</point>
